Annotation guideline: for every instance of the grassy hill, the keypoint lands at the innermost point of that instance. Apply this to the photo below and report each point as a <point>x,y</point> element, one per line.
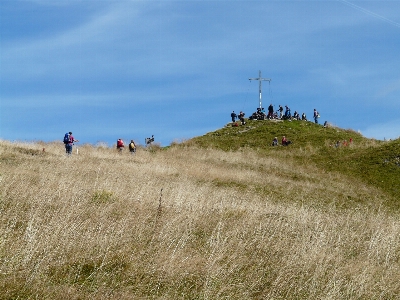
<point>224,215</point>
<point>375,162</point>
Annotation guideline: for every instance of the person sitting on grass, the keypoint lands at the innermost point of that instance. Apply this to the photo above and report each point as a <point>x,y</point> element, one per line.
<point>275,142</point>
<point>285,142</point>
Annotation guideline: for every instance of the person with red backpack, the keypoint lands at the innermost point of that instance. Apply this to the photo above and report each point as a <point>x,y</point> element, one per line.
<point>120,145</point>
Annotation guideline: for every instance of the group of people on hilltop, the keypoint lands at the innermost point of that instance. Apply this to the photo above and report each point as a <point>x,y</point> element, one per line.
<point>280,114</point>
<point>240,117</point>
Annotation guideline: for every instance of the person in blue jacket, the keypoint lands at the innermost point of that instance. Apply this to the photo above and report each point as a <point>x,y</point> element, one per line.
<point>233,116</point>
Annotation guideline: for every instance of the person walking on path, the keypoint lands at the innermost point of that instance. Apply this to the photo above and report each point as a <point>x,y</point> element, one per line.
<point>316,116</point>
<point>120,145</point>
<point>132,147</point>
<point>68,145</point>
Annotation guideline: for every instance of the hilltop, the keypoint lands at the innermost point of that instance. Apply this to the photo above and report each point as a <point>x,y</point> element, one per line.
<point>375,162</point>
<point>224,215</point>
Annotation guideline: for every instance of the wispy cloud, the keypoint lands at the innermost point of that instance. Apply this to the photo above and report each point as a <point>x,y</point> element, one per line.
<point>371,13</point>
<point>189,57</point>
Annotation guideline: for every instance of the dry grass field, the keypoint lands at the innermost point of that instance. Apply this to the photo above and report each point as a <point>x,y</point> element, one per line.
<point>189,223</point>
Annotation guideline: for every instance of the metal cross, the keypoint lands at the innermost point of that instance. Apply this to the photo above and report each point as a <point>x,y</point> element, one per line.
<point>260,79</point>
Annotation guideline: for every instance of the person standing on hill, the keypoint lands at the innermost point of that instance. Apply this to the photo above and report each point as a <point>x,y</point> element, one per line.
<point>288,114</point>
<point>270,111</point>
<point>280,112</point>
<point>316,116</point>
<point>233,116</point>
<point>120,145</point>
<point>70,141</point>
<point>241,118</point>
<point>132,147</point>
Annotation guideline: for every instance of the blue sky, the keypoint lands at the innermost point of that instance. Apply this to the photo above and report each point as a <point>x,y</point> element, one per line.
<point>176,69</point>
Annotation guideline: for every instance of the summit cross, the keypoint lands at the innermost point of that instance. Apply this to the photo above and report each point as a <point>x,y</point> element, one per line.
<point>260,79</point>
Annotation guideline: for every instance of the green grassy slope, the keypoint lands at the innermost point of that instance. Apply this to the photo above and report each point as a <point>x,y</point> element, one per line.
<point>377,163</point>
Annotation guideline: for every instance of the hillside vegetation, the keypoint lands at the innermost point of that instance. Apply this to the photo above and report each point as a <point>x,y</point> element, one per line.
<point>375,162</point>
<point>221,216</point>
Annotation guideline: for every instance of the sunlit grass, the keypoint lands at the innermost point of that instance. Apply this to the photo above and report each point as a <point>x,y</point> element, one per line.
<point>254,223</point>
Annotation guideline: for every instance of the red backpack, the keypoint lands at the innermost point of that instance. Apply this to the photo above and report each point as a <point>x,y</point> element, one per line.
<point>120,143</point>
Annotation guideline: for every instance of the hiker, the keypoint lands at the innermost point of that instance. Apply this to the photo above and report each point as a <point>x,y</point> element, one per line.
<point>296,115</point>
<point>148,141</point>
<point>326,124</point>
<point>241,118</point>
<point>316,116</point>
<point>288,115</point>
<point>280,111</point>
<point>233,116</point>
<point>275,142</point>
<point>120,145</point>
<point>260,114</point>
<point>270,111</point>
<point>285,142</point>
<point>69,140</point>
<point>132,147</point>
<point>304,117</point>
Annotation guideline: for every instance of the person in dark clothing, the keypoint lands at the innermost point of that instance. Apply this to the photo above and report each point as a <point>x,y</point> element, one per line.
<point>288,114</point>
<point>270,111</point>
<point>241,118</point>
<point>233,116</point>
<point>132,147</point>
<point>280,112</point>
<point>316,116</point>
<point>68,145</point>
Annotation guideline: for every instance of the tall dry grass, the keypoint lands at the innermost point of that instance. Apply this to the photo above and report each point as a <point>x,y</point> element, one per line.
<point>186,223</point>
